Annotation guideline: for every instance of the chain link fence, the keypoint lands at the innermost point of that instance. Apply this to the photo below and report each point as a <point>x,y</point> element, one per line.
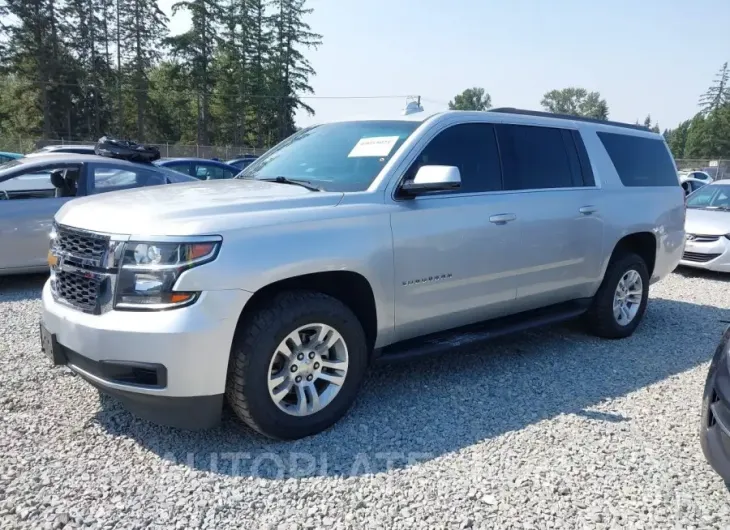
<point>717,169</point>
<point>167,149</point>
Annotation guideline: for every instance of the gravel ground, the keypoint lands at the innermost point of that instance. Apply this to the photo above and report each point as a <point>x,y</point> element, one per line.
<point>548,429</point>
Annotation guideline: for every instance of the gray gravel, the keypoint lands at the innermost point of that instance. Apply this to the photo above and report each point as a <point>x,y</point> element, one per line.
<point>548,429</point>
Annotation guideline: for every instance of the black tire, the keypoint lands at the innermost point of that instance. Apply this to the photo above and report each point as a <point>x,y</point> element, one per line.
<point>708,394</point>
<point>600,318</point>
<point>254,344</point>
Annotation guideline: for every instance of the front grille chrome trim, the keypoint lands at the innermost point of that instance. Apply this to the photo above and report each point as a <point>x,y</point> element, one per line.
<point>85,260</point>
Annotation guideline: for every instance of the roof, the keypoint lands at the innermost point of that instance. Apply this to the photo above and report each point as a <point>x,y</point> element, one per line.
<point>67,146</point>
<point>68,157</point>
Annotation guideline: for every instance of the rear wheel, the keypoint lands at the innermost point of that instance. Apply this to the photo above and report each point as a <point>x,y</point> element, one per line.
<point>296,365</point>
<point>620,302</point>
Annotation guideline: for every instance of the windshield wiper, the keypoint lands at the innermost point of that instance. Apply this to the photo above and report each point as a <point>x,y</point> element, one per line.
<point>722,207</point>
<point>296,182</point>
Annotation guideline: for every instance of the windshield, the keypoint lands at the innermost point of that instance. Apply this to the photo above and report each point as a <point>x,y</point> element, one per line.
<point>710,197</point>
<point>343,156</point>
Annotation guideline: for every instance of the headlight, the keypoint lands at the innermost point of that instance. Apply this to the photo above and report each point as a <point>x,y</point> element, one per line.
<point>149,270</point>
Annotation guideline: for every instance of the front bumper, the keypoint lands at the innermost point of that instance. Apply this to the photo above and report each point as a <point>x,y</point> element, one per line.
<point>708,255</point>
<point>166,366</point>
<point>715,428</point>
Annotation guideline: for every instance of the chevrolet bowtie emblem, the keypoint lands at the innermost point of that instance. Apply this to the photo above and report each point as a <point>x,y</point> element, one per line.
<point>52,259</point>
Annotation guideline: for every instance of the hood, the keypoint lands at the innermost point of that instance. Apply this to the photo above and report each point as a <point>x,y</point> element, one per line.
<point>707,222</point>
<point>201,207</point>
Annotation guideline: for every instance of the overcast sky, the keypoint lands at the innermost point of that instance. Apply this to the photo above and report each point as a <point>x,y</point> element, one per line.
<point>644,56</point>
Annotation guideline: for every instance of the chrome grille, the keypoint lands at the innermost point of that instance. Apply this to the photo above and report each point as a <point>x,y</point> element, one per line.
<point>77,289</point>
<point>83,274</point>
<point>699,238</point>
<point>80,244</point>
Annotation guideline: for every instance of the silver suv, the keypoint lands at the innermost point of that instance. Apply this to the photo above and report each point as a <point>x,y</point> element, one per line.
<point>354,241</point>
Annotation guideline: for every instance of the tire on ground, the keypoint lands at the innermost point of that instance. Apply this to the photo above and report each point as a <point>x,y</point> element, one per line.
<point>256,341</point>
<point>600,318</point>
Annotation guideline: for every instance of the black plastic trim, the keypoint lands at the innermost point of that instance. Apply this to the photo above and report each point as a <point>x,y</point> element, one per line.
<point>193,413</point>
<point>131,373</point>
<point>442,342</point>
<point>585,163</point>
<point>542,114</point>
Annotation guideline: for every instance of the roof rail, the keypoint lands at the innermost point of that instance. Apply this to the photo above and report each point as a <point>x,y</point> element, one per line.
<point>510,110</point>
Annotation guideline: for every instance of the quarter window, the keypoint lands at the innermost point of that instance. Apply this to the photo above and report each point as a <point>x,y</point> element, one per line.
<point>108,178</point>
<point>640,161</point>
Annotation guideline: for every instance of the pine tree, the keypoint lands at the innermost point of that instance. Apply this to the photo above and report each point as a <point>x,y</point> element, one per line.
<point>719,93</point>
<point>291,69</point>
<point>230,99</point>
<point>260,43</point>
<point>33,51</point>
<point>142,28</point>
<point>196,48</point>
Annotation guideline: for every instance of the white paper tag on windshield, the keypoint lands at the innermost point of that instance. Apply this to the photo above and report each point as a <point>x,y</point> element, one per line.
<point>375,146</point>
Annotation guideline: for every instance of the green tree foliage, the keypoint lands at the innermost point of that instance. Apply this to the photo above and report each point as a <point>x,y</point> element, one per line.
<point>471,99</point>
<point>677,139</point>
<point>719,93</point>
<point>142,27</point>
<point>196,48</point>
<point>290,70</point>
<point>78,69</point>
<point>706,135</point>
<point>577,102</point>
<point>647,123</point>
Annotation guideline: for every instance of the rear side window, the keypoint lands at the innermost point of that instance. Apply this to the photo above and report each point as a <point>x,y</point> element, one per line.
<point>640,161</point>
<point>108,178</point>
<point>538,157</point>
<point>180,167</point>
<point>472,148</point>
<point>212,172</point>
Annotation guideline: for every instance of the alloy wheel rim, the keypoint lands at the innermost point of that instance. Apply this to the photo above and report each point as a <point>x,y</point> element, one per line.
<point>627,298</point>
<point>308,369</point>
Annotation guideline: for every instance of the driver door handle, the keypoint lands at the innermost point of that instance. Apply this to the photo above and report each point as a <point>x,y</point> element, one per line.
<point>588,210</point>
<point>502,218</point>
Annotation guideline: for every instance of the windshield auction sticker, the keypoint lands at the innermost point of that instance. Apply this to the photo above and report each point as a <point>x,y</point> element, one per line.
<point>376,146</point>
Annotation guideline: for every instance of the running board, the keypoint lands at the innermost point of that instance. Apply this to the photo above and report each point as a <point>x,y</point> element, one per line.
<point>439,343</point>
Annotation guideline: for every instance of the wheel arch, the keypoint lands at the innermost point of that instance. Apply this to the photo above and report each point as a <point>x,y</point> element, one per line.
<point>349,287</point>
<point>643,243</point>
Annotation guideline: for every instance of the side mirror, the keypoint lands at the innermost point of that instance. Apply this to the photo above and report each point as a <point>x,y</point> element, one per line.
<point>433,178</point>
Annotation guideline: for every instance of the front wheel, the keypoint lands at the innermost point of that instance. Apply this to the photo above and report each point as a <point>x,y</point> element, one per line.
<point>620,302</point>
<point>296,365</point>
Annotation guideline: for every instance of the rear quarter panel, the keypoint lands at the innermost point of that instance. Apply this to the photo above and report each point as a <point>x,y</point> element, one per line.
<point>627,210</point>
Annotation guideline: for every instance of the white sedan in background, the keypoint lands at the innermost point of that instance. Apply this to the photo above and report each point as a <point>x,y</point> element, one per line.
<point>708,228</point>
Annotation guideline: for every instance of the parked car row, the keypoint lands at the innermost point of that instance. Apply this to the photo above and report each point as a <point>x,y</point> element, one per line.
<point>200,168</point>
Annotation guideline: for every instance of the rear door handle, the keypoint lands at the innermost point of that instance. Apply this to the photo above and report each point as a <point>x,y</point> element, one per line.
<point>502,218</point>
<point>588,210</point>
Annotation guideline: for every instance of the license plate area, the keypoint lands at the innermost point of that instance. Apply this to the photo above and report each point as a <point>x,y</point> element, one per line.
<point>50,347</point>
